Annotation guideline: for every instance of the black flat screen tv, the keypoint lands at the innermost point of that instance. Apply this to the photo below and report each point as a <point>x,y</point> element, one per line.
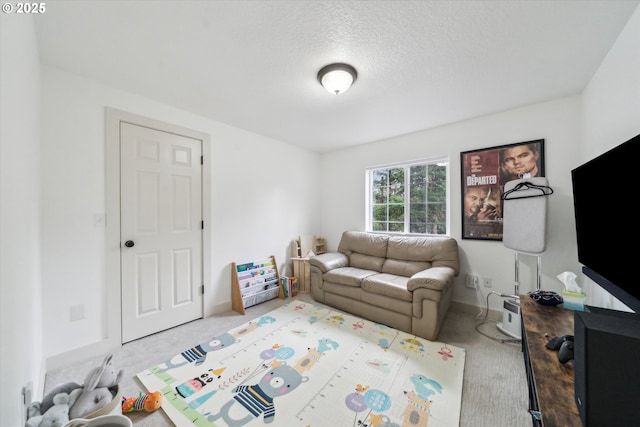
<point>608,221</point>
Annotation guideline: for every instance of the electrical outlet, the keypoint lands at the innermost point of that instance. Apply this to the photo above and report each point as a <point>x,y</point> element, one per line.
<point>472,281</point>
<point>76,312</point>
<point>486,282</point>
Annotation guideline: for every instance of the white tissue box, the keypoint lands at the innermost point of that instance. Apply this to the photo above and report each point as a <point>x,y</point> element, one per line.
<point>573,300</point>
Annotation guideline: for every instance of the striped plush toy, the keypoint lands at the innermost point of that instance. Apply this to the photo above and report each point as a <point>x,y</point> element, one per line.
<point>149,401</point>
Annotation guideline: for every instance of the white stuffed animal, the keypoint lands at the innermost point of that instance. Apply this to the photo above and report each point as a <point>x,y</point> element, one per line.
<point>57,415</point>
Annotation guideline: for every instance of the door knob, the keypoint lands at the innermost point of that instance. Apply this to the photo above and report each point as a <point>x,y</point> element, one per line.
<point>129,243</point>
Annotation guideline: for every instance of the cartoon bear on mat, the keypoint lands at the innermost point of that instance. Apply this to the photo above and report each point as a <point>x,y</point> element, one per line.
<point>198,353</point>
<point>258,398</point>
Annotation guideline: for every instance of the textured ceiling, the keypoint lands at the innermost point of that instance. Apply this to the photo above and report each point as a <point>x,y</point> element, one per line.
<point>253,64</point>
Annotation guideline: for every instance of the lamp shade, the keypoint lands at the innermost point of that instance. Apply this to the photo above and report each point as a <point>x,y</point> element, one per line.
<point>337,78</point>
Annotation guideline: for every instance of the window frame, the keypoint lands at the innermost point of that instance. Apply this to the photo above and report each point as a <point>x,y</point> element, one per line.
<point>369,173</point>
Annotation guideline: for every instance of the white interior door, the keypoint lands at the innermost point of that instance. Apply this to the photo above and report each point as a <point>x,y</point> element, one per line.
<point>161,230</point>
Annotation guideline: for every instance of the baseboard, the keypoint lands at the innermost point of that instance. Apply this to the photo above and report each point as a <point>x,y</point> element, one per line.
<point>220,308</point>
<point>80,354</point>
<point>493,315</point>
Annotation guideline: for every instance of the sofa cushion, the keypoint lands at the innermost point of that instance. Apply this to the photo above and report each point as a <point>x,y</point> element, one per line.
<point>366,262</point>
<point>438,251</point>
<point>403,268</point>
<point>363,243</point>
<point>347,276</point>
<point>389,285</point>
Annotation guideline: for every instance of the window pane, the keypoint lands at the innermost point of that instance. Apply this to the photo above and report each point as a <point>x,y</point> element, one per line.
<point>396,227</point>
<point>409,199</point>
<point>396,186</point>
<point>418,228</point>
<point>380,178</point>
<point>437,213</point>
<point>418,187</point>
<point>380,213</point>
<point>380,226</point>
<point>418,213</point>
<point>437,186</point>
<point>380,195</point>
<point>396,213</point>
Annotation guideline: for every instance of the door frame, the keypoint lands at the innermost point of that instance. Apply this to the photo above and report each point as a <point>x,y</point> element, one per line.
<point>113,270</point>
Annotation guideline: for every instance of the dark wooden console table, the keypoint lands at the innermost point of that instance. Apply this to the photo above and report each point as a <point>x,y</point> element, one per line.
<point>551,392</point>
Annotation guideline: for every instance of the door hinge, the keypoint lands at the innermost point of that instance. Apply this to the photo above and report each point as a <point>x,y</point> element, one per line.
<point>202,160</point>
<point>202,224</point>
<point>202,290</point>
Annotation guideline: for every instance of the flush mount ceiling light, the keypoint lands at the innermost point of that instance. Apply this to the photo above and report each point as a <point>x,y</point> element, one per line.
<point>337,78</point>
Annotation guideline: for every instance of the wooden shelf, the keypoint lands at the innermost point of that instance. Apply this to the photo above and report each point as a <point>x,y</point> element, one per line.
<point>551,390</point>
<point>254,282</point>
<point>314,243</point>
<point>302,271</point>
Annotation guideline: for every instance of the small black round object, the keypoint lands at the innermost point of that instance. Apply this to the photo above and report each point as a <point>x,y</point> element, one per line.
<point>565,353</point>
<point>546,297</point>
<point>129,243</point>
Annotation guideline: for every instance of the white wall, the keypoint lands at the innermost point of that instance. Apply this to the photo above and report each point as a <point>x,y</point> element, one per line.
<point>263,195</point>
<point>558,122</point>
<point>611,115</point>
<point>20,291</point>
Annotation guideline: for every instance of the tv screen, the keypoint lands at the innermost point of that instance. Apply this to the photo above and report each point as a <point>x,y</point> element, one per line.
<point>607,221</point>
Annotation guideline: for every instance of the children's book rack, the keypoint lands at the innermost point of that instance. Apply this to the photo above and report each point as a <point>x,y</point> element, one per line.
<point>254,283</point>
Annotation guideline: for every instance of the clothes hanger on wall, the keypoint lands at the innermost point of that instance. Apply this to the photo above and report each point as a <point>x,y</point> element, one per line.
<point>544,190</point>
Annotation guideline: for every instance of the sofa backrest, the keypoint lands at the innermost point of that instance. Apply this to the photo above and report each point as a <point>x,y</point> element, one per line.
<point>365,250</point>
<point>399,255</point>
<point>407,255</point>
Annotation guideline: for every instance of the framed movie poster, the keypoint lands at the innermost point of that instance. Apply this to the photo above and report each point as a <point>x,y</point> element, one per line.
<point>484,173</point>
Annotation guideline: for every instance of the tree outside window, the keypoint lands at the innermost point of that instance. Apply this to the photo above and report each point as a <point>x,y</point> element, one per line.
<point>408,198</point>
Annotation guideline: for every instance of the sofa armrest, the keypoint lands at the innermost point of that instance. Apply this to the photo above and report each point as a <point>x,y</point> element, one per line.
<point>329,261</point>
<point>435,278</point>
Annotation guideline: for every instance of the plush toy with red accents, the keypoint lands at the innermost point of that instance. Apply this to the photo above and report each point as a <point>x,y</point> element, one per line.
<point>149,401</point>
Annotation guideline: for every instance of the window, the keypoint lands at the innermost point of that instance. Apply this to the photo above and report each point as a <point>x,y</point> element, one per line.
<point>409,197</point>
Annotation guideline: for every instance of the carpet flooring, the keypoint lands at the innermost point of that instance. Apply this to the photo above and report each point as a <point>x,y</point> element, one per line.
<point>494,392</point>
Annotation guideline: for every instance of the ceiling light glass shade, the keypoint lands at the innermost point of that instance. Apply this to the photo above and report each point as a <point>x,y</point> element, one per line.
<point>337,78</point>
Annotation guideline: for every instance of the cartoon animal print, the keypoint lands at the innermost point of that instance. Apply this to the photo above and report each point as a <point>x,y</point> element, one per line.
<point>255,400</point>
<point>198,353</point>
<point>425,387</point>
<point>326,344</point>
<point>196,384</point>
<point>314,355</point>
